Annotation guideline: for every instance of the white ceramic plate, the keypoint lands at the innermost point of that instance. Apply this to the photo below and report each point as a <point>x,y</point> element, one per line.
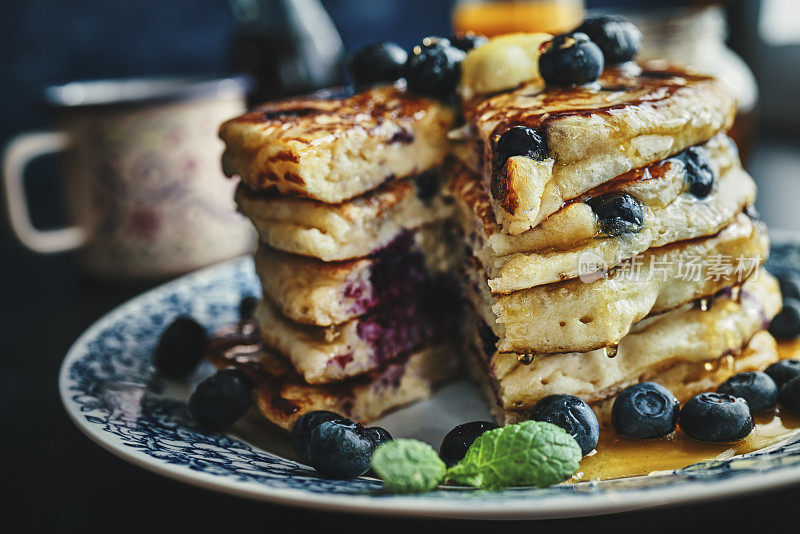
<point>111,392</point>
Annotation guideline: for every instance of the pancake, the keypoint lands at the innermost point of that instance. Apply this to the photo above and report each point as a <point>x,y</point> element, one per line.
<point>688,335</point>
<point>332,147</point>
<point>282,396</point>
<point>586,314</point>
<point>352,229</point>
<point>630,118</point>
<point>310,291</point>
<point>552,251</point>
<point>685,379</point>
<point>365,343</point>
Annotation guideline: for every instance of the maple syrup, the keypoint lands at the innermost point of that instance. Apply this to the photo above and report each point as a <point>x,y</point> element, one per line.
<point>618,457</point>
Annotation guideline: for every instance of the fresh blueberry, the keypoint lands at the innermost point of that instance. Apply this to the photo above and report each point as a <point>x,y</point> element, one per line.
<point>434,69</point>
<point>716,418</point>
<point>570,59</point>
<point>301,431</point>
<point>180,348</point>
<point>790,286</point>
<point>466,41</point>
<point>645,410</point>
<point>699,174</point>
<point>573,415</point>
<point>247,307</point>
<point>786,325</point>
<point>221,399</point>
<point>757,388</point>
<point>520,141</point>
<point>377,63</point>
<point>377,435</point>
<point>339,449</point>
<point>783,371</point>
<point>789,395</point>
<point>618,213</point>
<point>618,39</point>
<point>457,441</point>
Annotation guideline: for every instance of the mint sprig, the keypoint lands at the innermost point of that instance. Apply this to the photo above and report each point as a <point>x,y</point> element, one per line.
<point>531,453</point>
<point>408,466</point>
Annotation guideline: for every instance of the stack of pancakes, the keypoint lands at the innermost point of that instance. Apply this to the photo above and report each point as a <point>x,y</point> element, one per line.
<point>359,244</point>
<point>562,304</point>
<point>344,191</point>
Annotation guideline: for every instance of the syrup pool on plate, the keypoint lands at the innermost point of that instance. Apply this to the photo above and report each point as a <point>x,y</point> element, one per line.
<point>617,457</point>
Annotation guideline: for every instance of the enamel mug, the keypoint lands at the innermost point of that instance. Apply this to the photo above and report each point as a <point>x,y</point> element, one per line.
<point>144,189</point>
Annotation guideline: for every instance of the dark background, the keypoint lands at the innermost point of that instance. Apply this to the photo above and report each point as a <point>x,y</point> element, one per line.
<point>55,478</point>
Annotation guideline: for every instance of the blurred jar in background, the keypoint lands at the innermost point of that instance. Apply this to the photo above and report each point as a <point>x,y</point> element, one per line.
<point>496,17</point>
<point>696,37</point>
<point>288,47</point>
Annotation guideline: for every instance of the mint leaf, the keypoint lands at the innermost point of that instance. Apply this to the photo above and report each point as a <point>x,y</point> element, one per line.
<point>531,453</point>
<point>408,466</point>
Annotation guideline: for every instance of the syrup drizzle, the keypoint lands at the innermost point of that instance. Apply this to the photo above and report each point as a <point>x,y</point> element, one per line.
<point>618,457</point>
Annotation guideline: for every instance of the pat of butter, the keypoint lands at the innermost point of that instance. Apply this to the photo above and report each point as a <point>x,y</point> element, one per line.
<point>505,62</point>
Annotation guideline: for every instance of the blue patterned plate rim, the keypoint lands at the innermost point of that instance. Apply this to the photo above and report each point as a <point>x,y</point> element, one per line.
<point>110,392</point>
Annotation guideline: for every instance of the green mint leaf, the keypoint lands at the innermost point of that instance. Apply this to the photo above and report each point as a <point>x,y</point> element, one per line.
<point>408,466</point>
<point>531,453</point>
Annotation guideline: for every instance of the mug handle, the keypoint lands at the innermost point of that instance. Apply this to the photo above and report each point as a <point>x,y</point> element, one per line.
<point>19,152</point>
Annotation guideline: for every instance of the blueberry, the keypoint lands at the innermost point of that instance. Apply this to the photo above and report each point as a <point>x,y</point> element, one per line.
<point>699,174</point>
<point>618,39</point>
<point>573,415</point>
<point>757,388</point>
<point>301,430</point>
<point>645,410</point>
<point>520,141</point>
<point>786,325</point>
<point>247,307</point>
<point>377,435</point>
<point>180,348</point>
<point>377,63</point>
<point>434,69</point>
<point>790,286</point>
<point>457,441</point>
<point>783,371</point>
<point>221,399</point>
<point>789,395</point>
<point>570,59</point>
<point>716,418</point>
<point>339,449</point>
<point>466,41</point>
<point>618,213</point>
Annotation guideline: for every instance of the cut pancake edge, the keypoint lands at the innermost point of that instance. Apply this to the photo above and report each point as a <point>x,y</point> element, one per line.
<point>344,232</point>
<point>283,396</point>
<point>689,335</point>
<point>582,315</point>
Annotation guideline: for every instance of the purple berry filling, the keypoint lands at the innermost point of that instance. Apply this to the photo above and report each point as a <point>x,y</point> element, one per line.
<point>391,377</point>
<point>398,270</point>
<point>342,359</point>
<point>406,323</point>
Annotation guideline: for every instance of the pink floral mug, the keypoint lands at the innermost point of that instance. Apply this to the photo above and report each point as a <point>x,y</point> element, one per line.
<point>144,187</point>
